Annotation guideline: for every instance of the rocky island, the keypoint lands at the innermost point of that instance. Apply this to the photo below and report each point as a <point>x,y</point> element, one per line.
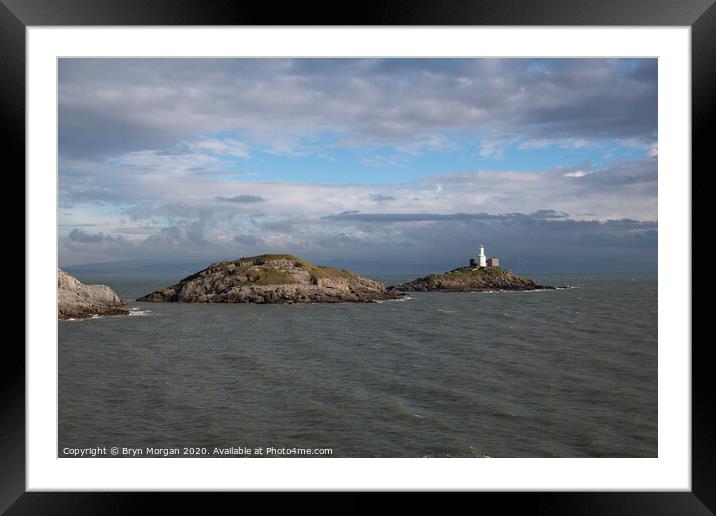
<point>272,278</point>
<point>466,279</point>
<point>483,274</point>
<point>75,300</point>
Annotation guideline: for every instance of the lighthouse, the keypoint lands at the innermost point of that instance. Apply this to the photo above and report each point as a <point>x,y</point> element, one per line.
<point>482,261</point>
<point>482,258</point>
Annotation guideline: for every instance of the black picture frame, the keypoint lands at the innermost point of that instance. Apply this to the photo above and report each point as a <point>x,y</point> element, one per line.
<point>700,15</point>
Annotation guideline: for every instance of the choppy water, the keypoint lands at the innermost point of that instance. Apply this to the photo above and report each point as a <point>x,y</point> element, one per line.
<point>565,373</point>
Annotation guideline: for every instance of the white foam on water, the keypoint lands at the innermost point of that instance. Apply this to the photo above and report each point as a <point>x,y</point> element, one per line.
<point>401,299</point>
<point>139,311</point>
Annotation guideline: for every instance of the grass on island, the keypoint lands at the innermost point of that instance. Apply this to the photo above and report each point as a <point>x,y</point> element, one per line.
<point>270,277</point>
<point>276,276</point>
<point>465,273</point>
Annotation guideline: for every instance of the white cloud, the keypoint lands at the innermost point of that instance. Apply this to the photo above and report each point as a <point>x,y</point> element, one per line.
<point>222,147</point>
<point>564,143</point>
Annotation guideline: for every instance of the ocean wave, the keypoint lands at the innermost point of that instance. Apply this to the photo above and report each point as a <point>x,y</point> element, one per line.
<point>519,291</point>
<point>400,299</point>
<point>94,316</point>
<point>139,311</point>
<point>80,319</point>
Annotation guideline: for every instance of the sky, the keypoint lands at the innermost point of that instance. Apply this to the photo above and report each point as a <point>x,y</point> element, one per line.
<point>382,164</point>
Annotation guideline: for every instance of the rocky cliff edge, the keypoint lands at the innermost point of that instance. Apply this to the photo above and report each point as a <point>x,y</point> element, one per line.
<point>75,300</point>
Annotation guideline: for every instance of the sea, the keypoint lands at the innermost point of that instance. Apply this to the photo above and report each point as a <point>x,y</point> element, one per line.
<point>570,372</point>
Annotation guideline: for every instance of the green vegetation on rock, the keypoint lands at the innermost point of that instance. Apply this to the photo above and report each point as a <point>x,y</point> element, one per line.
<point>266,269</point>
<point>467,273</point>
<point>270,277</point>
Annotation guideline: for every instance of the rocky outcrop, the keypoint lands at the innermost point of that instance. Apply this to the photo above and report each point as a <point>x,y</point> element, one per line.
<point>75,300</point>
<point>466,279</point>
<point>272,278</point>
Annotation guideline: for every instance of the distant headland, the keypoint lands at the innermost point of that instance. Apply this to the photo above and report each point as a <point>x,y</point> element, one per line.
<point>272,278</point>
<point>481,275</point>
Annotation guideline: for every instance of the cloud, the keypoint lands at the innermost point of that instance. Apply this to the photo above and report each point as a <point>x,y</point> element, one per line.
<point>564,143</point>
<point>548,214</point>
<point>108,107</point>
<point>493,145</point>
<point>179,216</point>
<point>432,217</point>
<point>576,173</point>
<point>78,235</point>
<point>153,151</point>
<point>225,147</point>
<point>541,241</point>
<point>390,218</point>
<point>249,240</point>
<point>381,197</point>
<point>174,211</point>
<point>242,199</point>
<point>623,189</point>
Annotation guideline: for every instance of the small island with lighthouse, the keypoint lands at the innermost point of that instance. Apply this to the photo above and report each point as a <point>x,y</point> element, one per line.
<point>483,274</point>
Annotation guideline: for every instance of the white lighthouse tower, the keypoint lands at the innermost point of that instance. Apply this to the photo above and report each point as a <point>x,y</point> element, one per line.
<point>482,257</point>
